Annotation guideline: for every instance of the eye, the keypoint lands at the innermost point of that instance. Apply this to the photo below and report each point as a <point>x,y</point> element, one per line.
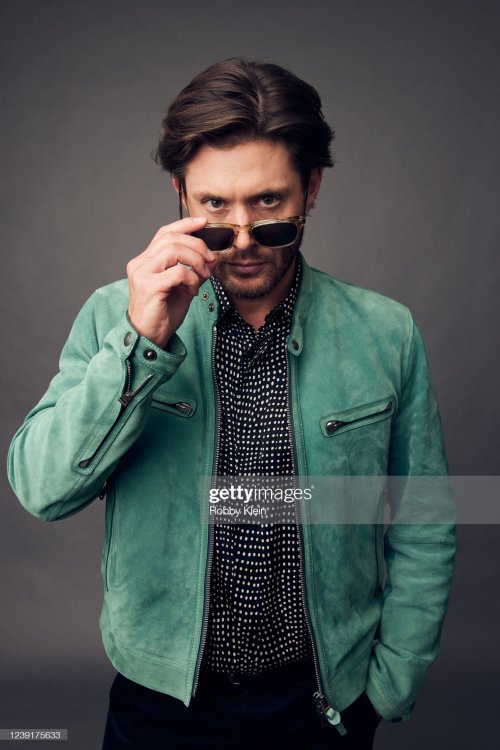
<point>269,200</point>
<point>215,204</point>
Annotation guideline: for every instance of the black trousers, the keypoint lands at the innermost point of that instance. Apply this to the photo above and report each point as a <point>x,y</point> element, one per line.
<point>238,713</point>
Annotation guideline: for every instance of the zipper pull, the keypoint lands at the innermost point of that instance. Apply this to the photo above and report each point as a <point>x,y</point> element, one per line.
<point>333,425</point>
<point>326,711</point>
<point>184,407</point>
<point>126,398</point>
<point>128,395</point>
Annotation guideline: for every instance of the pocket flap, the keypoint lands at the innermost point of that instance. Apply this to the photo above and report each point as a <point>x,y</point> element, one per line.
<point>173,403</point>
<point>349,419</point>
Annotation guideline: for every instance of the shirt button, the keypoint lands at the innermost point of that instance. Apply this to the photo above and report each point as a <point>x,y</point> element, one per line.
<point>128,338</point>
<point>204,295</point>
<point>211,307</point>
<point>150,355</point>
<point>295,345</point>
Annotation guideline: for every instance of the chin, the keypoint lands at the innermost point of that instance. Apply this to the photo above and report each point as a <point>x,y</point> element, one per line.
<point>262,284</point>
<point>250,288</point>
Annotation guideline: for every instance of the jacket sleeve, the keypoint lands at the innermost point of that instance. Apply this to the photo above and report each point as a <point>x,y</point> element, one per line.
<point>93,411</point>
<point>419,545</point>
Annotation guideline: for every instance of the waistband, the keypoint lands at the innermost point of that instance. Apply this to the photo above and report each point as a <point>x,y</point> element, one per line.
<point>277,676</point>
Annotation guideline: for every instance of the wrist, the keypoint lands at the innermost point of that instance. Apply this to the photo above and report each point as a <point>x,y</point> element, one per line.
<point>158,338</point>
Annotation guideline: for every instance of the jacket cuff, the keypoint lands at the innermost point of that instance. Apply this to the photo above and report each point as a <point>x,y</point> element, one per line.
<point>144,354</point>
<point>382,703</point>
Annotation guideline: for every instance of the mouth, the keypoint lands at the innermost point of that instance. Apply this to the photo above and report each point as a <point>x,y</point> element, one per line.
<point>247,267</point>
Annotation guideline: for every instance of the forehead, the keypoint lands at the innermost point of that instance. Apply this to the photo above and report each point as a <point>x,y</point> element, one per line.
<point>245,168</point>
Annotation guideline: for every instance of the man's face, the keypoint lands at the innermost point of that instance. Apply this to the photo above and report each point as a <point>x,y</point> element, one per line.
<point>239,185</point>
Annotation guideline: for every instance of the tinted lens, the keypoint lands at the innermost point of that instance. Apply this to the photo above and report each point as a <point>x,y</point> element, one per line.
<point>275,235</point>
<point>215,238</point>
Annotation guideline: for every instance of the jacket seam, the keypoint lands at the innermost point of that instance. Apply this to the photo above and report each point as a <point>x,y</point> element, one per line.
<point>195,645</point>
<point>320,646</point>
<point>416,540</point>
<point>298,431</point>
<point>389,700</point>
<point>150,657</point>
<point>354,661</point>
<point>100,424</point>
<point>407,357</point>
<point>80,482</point>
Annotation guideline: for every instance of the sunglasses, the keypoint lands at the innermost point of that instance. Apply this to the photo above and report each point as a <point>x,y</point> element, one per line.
<point>268,232</point>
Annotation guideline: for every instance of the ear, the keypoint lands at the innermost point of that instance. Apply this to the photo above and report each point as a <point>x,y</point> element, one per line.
<point>314,185</point>
<point>175,183</point>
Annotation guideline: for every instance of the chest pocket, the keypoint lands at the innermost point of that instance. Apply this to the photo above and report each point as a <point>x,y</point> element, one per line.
<point>342,421</point>
<point>170,402</point>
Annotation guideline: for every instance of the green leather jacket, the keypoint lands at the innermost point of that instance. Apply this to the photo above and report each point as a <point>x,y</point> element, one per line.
<point>137,424</point>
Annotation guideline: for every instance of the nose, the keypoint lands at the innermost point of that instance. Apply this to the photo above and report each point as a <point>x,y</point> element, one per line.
<point>243,239</point>
<point>242,216</point>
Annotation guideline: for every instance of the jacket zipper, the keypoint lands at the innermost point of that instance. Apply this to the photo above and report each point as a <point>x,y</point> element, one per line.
<point>322,707</point>
<point>333,424</point>
<point>128,395</point>
<point>204,627</point>
<point>124,400</point>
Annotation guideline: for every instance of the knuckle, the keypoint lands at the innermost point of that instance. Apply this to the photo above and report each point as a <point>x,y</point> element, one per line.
<point>169,240</point>
<point>162,230</point>
<point>201,245</point>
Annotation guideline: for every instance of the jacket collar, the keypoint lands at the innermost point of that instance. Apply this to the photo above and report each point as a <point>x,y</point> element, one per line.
<point>304,298</point>
<point>210,308</point>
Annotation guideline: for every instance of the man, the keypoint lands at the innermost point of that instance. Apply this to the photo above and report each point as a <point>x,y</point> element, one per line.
<point>225,355</point>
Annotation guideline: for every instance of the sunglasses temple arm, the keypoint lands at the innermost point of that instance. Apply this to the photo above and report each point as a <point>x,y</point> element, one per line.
<point>181,190</point>
<point>307,196</point>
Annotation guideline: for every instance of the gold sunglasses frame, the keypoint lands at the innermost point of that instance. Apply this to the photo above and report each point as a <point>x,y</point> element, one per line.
<point>299,222</point>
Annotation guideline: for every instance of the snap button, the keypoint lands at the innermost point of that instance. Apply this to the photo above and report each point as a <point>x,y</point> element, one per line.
<point>204,295</point>
<point>150,354</point>
<point>128,338</point>
<point>295,345</point>
<point>211,307</point>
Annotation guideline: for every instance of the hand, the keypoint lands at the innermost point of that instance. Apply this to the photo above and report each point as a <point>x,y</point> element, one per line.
<point>161,285</point>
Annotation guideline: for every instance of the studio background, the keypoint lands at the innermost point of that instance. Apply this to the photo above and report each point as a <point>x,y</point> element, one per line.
<point>410,210</point>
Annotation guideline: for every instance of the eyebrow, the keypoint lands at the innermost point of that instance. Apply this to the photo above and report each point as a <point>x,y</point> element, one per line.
<point>282,192</point>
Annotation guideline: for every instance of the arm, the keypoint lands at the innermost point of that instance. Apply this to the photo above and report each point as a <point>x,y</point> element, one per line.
<point>419,555</point>
<point>94,410</point>
<point>97,406</point>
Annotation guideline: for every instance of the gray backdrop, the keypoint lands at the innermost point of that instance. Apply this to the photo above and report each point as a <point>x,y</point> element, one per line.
<point>410,210</point>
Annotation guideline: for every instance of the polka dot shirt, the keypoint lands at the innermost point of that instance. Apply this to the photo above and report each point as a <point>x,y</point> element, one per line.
<point>256,619</point>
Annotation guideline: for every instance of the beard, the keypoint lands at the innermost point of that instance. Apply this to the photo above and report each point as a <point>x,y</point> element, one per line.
<point>276,263</point>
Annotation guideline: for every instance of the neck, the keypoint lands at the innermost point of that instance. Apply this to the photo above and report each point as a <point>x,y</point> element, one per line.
<point>254,311</point>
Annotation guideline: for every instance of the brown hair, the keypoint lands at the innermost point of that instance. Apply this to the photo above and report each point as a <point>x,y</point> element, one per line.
<point>236,100</point>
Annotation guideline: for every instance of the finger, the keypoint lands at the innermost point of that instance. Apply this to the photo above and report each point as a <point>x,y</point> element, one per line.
<point>185,226</point>
<point>171,239</point>
<point>172,278</point>
<point>167,257</point>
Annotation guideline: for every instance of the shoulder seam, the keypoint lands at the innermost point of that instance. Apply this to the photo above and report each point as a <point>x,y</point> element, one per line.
<point>407,356</point>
